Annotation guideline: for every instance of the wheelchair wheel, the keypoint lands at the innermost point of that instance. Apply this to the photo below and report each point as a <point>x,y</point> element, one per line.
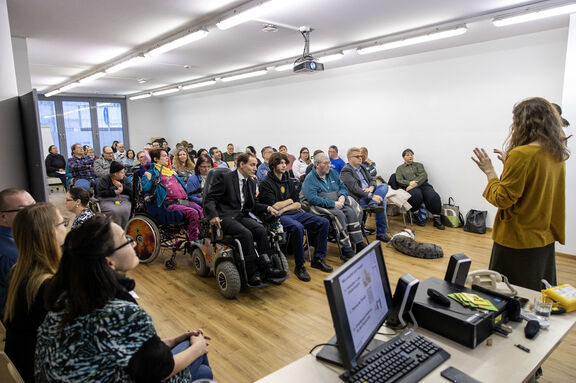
<point>228,279</point>
<point>147,236</point>
<point>199,262</point>
<point>279,261</point>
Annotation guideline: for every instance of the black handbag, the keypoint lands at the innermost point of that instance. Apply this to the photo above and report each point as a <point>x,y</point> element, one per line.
<point>476,221</point>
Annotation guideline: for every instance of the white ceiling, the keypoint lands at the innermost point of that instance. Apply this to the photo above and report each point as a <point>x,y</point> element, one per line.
<point>70,38</point>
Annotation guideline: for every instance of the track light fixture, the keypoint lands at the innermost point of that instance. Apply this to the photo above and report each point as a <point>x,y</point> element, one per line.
<point>533,14</point>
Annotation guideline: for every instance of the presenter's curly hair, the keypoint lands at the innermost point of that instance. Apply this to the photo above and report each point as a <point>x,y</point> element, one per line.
<point>536,119</point>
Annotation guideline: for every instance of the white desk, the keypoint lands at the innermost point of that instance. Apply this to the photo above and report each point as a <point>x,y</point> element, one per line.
<point>501,362</point>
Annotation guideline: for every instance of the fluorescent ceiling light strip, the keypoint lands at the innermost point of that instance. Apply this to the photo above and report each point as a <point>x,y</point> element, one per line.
<point>125,64</point>
<point>252,13</point>
<point>195,36</point>
<point>534,15</point>
<point>140,96</point>
<point>245,75</point>
<point>414,40</point>
<point>69,86</point>
<point>330,58</point>
<point>282,68</point>
<point>165,91</point>
<point>93,77</point>
<point>199,84</point>
<point>52,93</point>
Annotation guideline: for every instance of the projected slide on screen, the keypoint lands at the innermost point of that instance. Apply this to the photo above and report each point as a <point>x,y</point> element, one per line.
<point>364,298</point>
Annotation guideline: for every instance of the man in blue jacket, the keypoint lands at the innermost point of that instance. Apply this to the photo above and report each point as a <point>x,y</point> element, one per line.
<point>323,188</point>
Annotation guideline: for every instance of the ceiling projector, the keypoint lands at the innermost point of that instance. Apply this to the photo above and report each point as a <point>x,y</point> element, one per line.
<point>307,63</point>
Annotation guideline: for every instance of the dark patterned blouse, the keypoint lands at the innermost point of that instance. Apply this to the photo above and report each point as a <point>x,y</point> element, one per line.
<point>84,215</point>
<point>116,343</point>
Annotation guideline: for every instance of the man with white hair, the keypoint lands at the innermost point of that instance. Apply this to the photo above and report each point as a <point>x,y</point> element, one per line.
<point>324,190</point>
<point>364,190</point>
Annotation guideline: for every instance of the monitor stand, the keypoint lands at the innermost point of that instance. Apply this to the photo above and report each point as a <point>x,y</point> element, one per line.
<point>331,354</point>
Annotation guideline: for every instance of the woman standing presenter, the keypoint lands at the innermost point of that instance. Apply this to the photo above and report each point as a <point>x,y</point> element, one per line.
<point>530,195</point>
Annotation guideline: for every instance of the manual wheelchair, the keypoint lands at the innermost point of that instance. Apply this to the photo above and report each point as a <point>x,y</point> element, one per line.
<point>221,254</point>
<point>154,227</point>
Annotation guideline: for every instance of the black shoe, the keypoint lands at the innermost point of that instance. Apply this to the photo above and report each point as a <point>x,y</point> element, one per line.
<point>360,246</point>
<point>383,237</point>
<point>370,231</point>
<point>302,274</point>
<point>417,220</point>
<point>318,263</point>
<point>255,280</point>
<point>438,223</point>
<point>374,208</point>
<point>346,253</point>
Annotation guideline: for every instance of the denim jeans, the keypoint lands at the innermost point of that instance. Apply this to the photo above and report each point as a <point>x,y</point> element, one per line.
<point>380,217</point>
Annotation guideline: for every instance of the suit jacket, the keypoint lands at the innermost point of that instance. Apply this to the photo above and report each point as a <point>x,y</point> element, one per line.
<point>224,199</point>
<point>353,183</point>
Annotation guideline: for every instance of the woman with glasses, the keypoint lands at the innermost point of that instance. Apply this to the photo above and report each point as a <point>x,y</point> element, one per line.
<point>95,332</point>
<point>38,260</point>
<point>196,181</point>
<point>300,165</point>
<point>78,201</point>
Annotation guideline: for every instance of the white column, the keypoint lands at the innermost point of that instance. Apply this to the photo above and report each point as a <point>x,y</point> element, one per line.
<point>21,65</point>
<point>569,113</point>
<point>7,73</point>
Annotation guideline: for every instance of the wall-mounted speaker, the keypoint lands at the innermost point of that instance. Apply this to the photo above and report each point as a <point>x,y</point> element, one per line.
<point>457,270</point>
<point>402,301</point>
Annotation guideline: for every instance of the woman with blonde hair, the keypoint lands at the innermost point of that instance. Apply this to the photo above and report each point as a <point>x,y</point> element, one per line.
<point>183,165</point>
<point>529,195</point>
<point>39,232</point>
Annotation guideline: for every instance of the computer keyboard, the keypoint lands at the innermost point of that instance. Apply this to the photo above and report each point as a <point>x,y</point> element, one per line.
<point>406,358</point>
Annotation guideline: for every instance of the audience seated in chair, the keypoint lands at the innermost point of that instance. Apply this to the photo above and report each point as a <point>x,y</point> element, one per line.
<point>336,163</point>
<point>195,183</point>
<point>90,291</point>
<point>183,165</point>
<point>229,156</point>
<point>102,164</point>
<point>81,167</point>
<point>324,189</point>
<point>38,260</point>
<point>78,202</point>
<point>56,165</point>
<point>300,165</point>
<point>412,177</point>
<point>114,193</point>
<point>170,191</point>
<point>278,191</point>
<point>291,159</point>
<point>216,155</point>
<point>362,187</point>
<point>264,168</point>
<point>232,206</point>
<point>12,200</point>
<point>368,163</point>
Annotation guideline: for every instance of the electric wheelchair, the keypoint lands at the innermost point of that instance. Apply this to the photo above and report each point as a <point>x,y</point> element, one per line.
<point>154,227</point>
<point>222,255</point>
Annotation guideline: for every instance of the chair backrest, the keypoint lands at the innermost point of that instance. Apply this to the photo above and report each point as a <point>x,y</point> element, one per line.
<point>8,373</point>
<point>392,181</point>
<point>213,176</point>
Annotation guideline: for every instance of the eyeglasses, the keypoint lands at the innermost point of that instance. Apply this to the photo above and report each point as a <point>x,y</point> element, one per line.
<point>359,156</point>
<point>70,200</point>
<point>305,153</point>
<point>12,210</point>
<point>129,241</point>
<point>64,222</point>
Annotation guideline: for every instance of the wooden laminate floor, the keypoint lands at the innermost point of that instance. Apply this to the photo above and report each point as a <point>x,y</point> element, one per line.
<point>265,329</point>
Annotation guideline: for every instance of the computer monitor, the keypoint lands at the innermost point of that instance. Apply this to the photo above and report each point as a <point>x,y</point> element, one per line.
<point>360,300</point>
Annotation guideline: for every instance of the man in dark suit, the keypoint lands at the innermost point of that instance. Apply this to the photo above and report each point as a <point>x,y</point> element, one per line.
<point>231,205</point>
<point>362,187</point>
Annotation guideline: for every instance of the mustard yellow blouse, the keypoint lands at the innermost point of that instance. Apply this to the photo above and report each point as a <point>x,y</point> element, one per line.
<point>530,197</point>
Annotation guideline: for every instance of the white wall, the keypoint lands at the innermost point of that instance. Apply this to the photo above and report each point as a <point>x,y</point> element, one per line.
<point>569,112</point>
<point>441,104</point>
<point>21,64</point>
<point>145,119</point>
<point>8,86</point>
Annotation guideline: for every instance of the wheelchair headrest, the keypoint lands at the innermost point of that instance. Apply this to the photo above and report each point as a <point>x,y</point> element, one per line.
<point>213,176</point>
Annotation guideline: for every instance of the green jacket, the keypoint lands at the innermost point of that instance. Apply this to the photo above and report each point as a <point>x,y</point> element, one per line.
<point>411,172</point>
